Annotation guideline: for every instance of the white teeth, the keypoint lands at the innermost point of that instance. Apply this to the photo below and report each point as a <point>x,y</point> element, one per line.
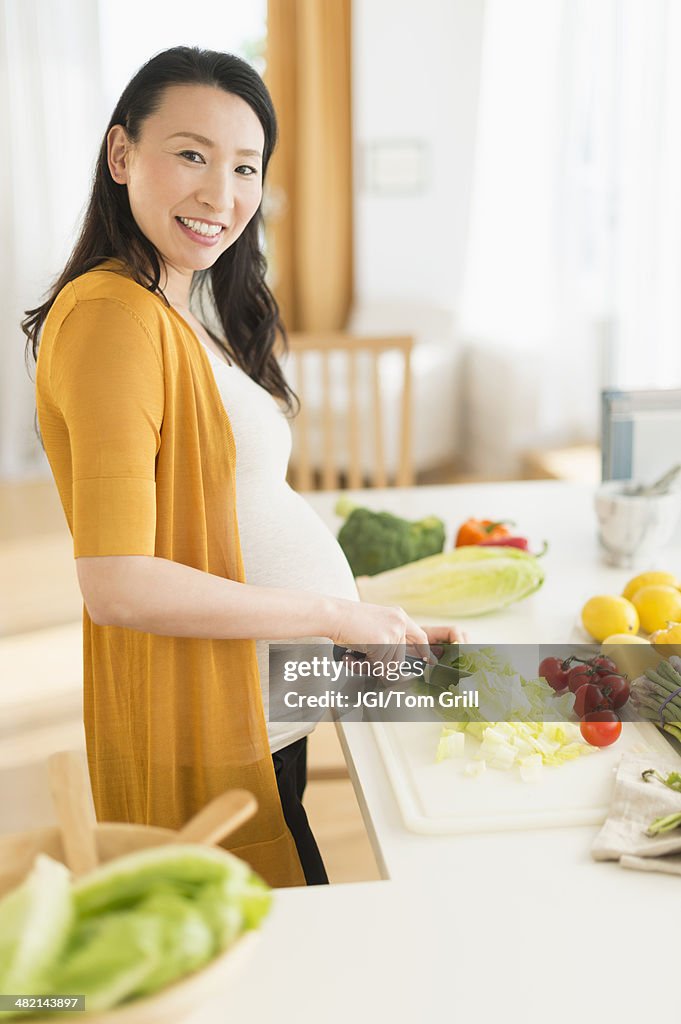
<point>210,230</point>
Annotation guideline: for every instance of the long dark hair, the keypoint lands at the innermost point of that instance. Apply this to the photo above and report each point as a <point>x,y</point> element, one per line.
<point>235,285</point>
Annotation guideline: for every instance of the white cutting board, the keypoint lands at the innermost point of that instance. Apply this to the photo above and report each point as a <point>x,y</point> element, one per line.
<point>438,799</point>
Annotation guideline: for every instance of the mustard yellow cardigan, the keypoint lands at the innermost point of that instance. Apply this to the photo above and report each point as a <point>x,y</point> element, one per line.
<point>143,456</point>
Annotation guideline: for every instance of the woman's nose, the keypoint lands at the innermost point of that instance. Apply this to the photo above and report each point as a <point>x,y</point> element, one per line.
<point>218,193</point>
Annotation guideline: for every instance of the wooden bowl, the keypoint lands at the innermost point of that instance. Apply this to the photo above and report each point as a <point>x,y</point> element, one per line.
<point>173,1003</point>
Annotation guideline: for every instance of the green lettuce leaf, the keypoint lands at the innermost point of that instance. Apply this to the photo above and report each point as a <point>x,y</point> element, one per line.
<point>112,961</point>
<point>187,940</point>
<point>466,581</point>
<point>35,919</point>
<point>183,868</point>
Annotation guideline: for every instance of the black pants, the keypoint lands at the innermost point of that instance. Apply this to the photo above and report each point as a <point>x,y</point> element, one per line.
<point>290,767</point>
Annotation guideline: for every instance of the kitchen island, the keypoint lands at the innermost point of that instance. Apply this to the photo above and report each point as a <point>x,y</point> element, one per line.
<point>517,925</point>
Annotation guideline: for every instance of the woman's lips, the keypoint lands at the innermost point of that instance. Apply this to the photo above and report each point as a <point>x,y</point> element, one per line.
<point>196,237</point>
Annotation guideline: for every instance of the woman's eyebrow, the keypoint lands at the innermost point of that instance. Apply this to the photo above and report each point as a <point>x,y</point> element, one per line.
<point>192,135</point>
<point>208,142</point>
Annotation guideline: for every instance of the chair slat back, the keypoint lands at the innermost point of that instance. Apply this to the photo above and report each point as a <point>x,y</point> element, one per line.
<point>329,469</point>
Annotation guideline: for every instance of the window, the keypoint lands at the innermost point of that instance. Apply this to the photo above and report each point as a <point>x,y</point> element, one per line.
<point>131,32</point>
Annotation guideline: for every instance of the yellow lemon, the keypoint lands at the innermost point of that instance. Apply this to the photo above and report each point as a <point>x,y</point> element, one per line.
<point>656,606</point>
<point>625,638</point>
<point>668,636</point>
<point>649,579</point>
<point>631,653</point>
<point>606,614</point>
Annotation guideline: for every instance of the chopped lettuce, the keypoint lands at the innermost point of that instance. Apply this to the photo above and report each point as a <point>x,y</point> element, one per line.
<point>504,745</point>
<point>451,745</point>
<point>496,748</point>
<point>508,721</point>
<point>505,695</point>
<point>530,767</point>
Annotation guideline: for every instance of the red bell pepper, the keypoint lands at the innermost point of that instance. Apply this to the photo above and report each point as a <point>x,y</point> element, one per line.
<point>511,542</point>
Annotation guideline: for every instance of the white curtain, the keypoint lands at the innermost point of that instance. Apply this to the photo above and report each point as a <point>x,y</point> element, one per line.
<point>50,120</point>
<point>647,224</point>
<point>574,257</point>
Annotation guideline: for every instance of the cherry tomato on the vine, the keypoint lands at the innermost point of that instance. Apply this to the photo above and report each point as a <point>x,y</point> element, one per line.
<point>603,665</point>
<point>553,672</point>
<point>616,688</point>
<point>600,728</point>
<point>580,674</point>
<point>590,697</point>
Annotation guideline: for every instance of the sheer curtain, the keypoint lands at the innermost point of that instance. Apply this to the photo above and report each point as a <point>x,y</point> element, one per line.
<point>50,116</point>
<point>647,223</point>
<point>574,258</point>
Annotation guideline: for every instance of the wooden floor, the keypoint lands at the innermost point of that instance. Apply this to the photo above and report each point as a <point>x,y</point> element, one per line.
<point>40,595</point>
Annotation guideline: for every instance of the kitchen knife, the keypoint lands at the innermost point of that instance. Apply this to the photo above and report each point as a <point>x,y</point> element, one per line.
<point>433,675</point>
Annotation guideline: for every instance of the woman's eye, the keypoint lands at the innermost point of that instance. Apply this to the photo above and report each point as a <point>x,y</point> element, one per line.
<point>247,171</point>
<point>190,153</point>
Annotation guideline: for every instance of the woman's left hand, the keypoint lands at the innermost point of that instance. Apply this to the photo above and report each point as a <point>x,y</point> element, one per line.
<point>438,635</point>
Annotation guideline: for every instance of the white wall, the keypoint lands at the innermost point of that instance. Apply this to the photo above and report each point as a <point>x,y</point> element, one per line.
<point>415,73</point>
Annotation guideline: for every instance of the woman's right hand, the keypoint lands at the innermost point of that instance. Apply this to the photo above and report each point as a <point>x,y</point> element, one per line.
<point>382,632</point>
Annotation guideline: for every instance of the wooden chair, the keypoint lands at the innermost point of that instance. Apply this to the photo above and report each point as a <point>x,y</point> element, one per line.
<point>331,471</point>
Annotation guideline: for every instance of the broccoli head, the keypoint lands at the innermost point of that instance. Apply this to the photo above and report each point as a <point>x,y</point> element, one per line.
<point>376,541</point>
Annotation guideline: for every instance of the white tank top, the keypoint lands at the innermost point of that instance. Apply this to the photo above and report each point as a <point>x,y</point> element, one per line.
<point>284,543</point>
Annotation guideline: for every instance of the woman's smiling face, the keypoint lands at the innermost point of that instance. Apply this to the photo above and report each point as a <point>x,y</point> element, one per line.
<point>194,176</point>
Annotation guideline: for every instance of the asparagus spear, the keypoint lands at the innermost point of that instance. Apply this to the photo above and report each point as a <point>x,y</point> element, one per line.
<point>658,687</point>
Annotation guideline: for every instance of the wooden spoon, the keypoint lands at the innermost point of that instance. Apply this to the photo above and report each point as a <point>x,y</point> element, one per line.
<point>70,788</point>
<point>219,818</point>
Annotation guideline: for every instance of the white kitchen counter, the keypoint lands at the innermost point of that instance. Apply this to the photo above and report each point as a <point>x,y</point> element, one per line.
<point>468,942</point>
<point>504,926</point>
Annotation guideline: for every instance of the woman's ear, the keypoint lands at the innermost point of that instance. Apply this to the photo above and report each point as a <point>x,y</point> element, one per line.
<point>118,148</point>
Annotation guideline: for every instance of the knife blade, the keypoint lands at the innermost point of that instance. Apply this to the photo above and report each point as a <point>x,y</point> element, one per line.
<point>433,674</point>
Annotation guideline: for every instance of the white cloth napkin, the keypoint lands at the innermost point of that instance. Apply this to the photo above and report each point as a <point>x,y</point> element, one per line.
<point>635,804</point>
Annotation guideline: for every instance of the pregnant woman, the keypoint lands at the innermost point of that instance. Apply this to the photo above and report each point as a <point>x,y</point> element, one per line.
<point>169,444</point>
